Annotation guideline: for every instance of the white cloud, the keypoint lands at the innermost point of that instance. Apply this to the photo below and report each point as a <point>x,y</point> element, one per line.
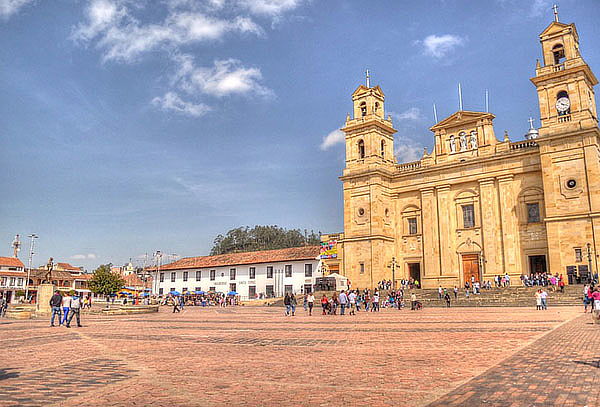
<point>124,38</point>
<point>269,7</point>
<point>439,46</point>
<point>11,7</point>
<point>413,113</point>
<point>406,151</point>
<point>225,77</point>
<point>540,8</point>
<point>89,256</point>
<point>172,102</point>
<point>335,137</point>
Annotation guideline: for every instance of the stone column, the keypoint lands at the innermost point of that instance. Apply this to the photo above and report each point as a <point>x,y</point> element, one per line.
<point>44,293</point>
<point>510,226</point>
<point>490,227</point>
<point>431,250</point>
<point>445,238</point>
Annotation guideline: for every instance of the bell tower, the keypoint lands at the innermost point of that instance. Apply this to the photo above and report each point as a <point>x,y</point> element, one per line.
<point>565,83</point>
<point>569,147</point>
<point>369,136</point>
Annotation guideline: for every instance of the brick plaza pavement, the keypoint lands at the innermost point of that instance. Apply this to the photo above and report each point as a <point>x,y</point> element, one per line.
<point>248,356</point>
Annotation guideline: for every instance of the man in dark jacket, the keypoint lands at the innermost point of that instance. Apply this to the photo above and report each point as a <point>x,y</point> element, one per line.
<point>55,302</point>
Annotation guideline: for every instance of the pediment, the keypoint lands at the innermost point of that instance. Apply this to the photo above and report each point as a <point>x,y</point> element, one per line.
<point>362,89</point>
<point>461,117</point>
<point>557,28</point>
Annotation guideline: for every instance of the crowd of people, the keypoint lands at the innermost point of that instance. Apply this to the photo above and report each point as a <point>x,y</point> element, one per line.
<point>591,297</point>
<point>555,282</point>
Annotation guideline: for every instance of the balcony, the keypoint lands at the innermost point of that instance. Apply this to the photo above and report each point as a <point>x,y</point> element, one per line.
<point>520,145</point>
<point>411,166</point>
<point>564,119</point>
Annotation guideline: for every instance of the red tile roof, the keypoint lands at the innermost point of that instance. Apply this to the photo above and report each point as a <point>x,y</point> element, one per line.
<point>67,266</point>
<point>13,274</point>
<point>11,262</point>
<point>235,259</point>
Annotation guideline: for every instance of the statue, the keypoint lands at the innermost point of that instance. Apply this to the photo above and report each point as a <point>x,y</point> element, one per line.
<point>474,140</point>
<point>452,144</point>
<point>16,244</point>
<point>49,268</point>
<point>463,142</point>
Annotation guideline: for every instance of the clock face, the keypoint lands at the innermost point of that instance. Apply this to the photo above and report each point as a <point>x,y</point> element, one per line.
<point>562,104</point>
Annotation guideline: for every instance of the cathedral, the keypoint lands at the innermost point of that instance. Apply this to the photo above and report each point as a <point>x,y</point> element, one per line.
<point>478,206</point>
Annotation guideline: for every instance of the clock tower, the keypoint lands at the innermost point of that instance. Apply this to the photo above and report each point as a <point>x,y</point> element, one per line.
<point>569,146</point>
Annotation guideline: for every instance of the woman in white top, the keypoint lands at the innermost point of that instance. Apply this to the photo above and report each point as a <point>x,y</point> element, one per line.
<point>66,306</point>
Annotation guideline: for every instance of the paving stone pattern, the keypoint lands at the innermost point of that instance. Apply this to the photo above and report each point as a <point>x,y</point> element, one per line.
<point>560,369</point>
<point>258,357</point>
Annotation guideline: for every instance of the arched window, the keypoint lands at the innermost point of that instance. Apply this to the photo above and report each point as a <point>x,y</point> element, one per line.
<point>563,104</point>
<point>559,54</point>
<point>382,148</point>
<point>361,149</point>
<point>376,107</point>
<point>363,109</point>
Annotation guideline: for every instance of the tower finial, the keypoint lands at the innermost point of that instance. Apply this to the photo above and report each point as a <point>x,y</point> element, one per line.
<point>435,116</point>
<point>530,123</point>
<point>460,103</point>
<point>555,9</point>
<point>368,78</point>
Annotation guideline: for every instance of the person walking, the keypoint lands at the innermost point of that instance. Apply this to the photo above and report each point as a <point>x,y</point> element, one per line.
<point>375,305</point>
<point>3,305</point>
<point>310,299</point>
<point>293,303</point>
<point>352,301</point>
<point>413,301</point>
<point>455,293</point>
<point>343,299</point>
<point>544,297</point>
<point>334,303</point>
<point>74,310</point>
<point>305,302</point>
<point>596,298</point>
<point>447,299</point>
<point>286,303</point>
<point>538,299</point>
<point>66,307</point>
<point>175,305</point>
<point>440,292</point>
<point>55,303</point>
<point>324,304</point>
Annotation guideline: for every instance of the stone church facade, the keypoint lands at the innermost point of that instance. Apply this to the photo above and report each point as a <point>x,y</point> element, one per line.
<point>477,206</point>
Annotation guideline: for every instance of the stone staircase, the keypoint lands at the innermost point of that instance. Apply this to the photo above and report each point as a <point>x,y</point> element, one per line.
<point>501,297</point>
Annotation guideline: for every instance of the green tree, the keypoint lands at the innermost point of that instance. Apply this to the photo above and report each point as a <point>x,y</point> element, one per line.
<point>105,282</point>
<point>245,239</point>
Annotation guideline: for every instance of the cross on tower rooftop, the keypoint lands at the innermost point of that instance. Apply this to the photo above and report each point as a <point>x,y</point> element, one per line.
<point>555,8</point>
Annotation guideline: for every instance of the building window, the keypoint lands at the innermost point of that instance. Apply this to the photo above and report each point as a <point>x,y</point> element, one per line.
<point>468,216</point>
<point>251,291</point>
<point>161,291</point>
<point>382,148</point>
<point>212,289</point>
<point>269,271</point>
<point>533,212</point>
<point>172,289</point>
<point>20,281</point>
<point>162,277</point>
<point>363,109</point>
<point>362,268</point>
<point>252,273</point>
<point>198,275</point>
<point>559,54</point>
<point>412,226</point>
<point>289,289</point>
<point>3,281</point>
<point>232,287</point>
<point>270,291</point>
<point>361,149</point>
<point>185,276</point>
<point>213,274</point>
<point>578,255</point>
<point>308,270</point>
<point>173,276</point>
<point>184,290</point>
<point>288,270</point>
<point>198,289</point>
<point>232,275</point>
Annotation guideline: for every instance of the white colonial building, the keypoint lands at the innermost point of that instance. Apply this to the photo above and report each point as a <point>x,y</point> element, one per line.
<point>260,274</point>
<point>12,277</point>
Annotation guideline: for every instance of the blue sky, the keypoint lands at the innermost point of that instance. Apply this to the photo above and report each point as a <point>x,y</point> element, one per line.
<point>132,126</point>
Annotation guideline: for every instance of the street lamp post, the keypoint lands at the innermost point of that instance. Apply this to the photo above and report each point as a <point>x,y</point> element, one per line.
<point>32,236</point>
<point>394,273</point>
<point>589,255</point>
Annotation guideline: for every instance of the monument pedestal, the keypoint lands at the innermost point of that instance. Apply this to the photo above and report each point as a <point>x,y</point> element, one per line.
<point>44,293</point>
